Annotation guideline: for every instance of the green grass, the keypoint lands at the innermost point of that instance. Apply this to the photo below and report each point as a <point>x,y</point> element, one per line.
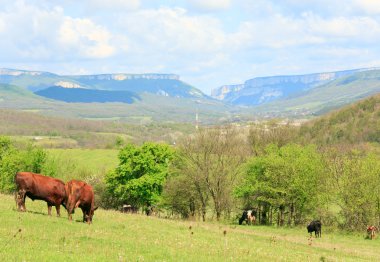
<point>114,236</point>
<point>95,161</point>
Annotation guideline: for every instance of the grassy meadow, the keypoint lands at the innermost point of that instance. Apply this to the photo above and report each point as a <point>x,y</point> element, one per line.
<point>114,236</point>
<point>94,161</point>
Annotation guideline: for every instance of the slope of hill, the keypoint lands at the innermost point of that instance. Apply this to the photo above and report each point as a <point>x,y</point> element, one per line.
<point>353,124</point>
<point>115,236</point>
<point>323,98</point>
<point>262,90</point>
<point>82,95</point>
<point>164,98</point>
<point>60,132</point>
<point>149,108</point>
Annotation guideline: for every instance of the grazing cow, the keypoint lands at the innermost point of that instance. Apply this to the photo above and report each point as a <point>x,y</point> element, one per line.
<point>39,187</point>
<point>127,209</point>
<point>151,211</point>
<point>80,194</point>
<point>248,217</point>
<point>315,226</point>
<point>371,231</point>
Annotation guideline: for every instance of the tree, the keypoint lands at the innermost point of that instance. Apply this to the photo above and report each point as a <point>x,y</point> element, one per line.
<point>139,178</point>
<point>13,159</point>
<point>354,179</point>
<point>180,196</point>
<point>272,132</point>
<point>284,180</point>
<point>210,160</point>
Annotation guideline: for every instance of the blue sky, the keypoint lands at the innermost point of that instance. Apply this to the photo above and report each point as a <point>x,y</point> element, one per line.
<point>208,43</point>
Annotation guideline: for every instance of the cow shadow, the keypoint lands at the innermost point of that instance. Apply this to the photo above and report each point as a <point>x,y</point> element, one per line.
<point>44,214</point>
<point>36,212</point>
<point>78,220</point>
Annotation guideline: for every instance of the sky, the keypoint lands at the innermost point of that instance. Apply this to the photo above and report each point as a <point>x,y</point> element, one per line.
<point>209,43</point>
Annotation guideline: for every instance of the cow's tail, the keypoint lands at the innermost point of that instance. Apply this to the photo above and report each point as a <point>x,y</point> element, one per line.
<point>16,193</point>
<point>68,197</point>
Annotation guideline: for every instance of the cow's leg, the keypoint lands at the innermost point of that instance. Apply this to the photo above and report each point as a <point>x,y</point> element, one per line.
<point>70,209</point>
<point>70,212</point>
<point>49,209</point>
<point>58,209</point>
<point>84,215</point>
<point>23,198</point>
<point>18,200</point>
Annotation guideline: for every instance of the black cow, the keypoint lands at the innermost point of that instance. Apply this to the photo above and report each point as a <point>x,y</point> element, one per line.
<point>315,226</point>
<point>248,217</point>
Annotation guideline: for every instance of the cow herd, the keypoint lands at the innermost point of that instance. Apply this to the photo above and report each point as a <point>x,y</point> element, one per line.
<point>55,193</point>
<point>314,226</point>
<point>76,193</point>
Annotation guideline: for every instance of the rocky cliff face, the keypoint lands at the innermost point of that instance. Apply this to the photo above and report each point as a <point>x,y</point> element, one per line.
<point>221,92</point>
<point>159,84</point>
<point>260,90</point>
<point>122,77</point>
<point>16,72</point>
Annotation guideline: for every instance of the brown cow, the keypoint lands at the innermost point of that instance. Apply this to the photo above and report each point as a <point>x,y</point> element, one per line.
<point>39,187</point>
<point>80,194</point>
<point>371,231</point>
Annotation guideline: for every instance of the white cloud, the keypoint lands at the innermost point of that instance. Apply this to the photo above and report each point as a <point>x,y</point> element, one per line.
<point>210,5</point>
<point>112,5</point>
<point>38,33</point>
<point>358,30</point>
<point>274,32</point>
<point>88,39</point>
<point>280,31</point>
<point>172,31</point>
<point>209,44</point>
<point>2,25</point>
<point>368,6</point>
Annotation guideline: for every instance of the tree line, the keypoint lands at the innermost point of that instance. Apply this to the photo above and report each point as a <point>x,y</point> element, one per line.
<point>217,172</point>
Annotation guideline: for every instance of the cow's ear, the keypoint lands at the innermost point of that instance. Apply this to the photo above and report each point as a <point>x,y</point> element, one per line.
<point>95,208</point>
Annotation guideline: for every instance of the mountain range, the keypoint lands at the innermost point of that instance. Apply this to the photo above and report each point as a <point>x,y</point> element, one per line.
<point>262,90</point>
<point>145,98</point>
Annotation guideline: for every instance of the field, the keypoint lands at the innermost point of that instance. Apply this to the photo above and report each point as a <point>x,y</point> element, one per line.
<point>114,236</point>
<point>58,132</point>
<point>92,160</point>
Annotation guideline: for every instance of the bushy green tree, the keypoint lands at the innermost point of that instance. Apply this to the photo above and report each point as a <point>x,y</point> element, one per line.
<point>10,163</point>
<point>34,159</point>
<point>354,180</point>
<point>139,178</point>
<point>283,182</point>
<point>13,160</point>
<point>209,162</point>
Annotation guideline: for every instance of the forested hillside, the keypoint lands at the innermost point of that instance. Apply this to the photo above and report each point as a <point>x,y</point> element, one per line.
<point>353,124</point>
<point>59,132</point>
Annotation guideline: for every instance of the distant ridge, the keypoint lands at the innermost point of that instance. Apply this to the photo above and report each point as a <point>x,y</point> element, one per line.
<point>261,90</point>
<point>160,84</point>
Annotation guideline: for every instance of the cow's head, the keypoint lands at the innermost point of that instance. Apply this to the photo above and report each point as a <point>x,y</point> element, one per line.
<point>89,217</point>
